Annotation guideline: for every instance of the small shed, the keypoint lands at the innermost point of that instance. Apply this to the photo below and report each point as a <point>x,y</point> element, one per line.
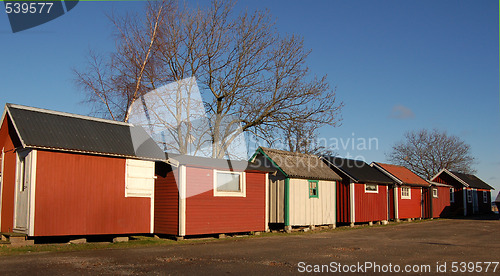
<point>67,175</point>
<point>362,195</point>
<point>406,195</point>
<point>469,195</point>
<point>200,196</point>
<point>439,199</point>
<point>302,191</point>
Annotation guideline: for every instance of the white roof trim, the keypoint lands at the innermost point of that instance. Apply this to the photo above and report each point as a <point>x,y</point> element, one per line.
<point>399,181</point>
<point>452,175</point>
<point>439,184</point>
<point>15,127</point>
<point>344,172</point>
<point>67,114</point>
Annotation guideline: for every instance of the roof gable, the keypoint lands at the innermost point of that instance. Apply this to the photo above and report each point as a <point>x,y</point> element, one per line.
<point>358,170</point>
<point>472,180</point>
<point>467,180</point>
<point>45,129</point>
<point>298,165</point>
<point>403,174</point>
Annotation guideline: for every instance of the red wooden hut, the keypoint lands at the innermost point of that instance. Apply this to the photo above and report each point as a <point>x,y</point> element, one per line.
<point>406,195</point>
<point>66,174</point>
<point>469,195</point>
<point>198,196</point>
<point>362,195</point>
<point>439,197</point>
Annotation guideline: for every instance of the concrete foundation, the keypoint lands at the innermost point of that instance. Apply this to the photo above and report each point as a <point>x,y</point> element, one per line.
<point>120,239</point>
<point>78,241</point>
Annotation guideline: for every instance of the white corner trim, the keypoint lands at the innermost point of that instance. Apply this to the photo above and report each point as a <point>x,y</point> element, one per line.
<point>32,191</point>
<point>152,213</point>
<point>182,200</point>
<point>351,194</point>
<point>267,203</point>
<point>396,202</point>
<point>335,202</point>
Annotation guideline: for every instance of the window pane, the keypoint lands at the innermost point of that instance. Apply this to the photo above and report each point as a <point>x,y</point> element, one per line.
<point>228,182</point>
<point>371,187</point>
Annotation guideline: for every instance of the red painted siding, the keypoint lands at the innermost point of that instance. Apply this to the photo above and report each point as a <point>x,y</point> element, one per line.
<point>166,205</point>
<point>85,195</point>
<point>457,207</point>
<point>343,206</point>
<point>206,214</point>
<point>410,208</point>
<point>8,141</point>
<point>441,204</point>
<point>370,206</point>
<point>426,195</point>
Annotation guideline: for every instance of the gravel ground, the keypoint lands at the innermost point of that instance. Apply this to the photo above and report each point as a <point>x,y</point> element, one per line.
<point>421,245</point>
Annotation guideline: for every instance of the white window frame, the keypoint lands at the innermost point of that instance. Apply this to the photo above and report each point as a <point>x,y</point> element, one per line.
<point>485,197</point>
<point>408,196</point>
<point>452,194</point>
<point>435,193</point>
<point>133,189</point>
<point>372,192</point>
<point>469,196</point>
<point>243,188</point>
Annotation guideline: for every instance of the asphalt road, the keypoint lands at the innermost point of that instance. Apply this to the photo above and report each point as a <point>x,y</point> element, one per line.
<point>421,245</point>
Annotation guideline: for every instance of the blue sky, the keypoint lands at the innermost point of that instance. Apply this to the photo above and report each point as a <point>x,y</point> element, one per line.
<point>397,65</point>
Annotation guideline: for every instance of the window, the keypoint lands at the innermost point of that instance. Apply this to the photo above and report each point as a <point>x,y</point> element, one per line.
<point>139,178</point>
<point>405,193</point>
<point>229,183</point>
<point>469,196</point>
<point>313,189</point>
<point>371,188</point>
<point>434,192</point>
<point>485,197</point>
<point>23,170</point>
<point>452,195</point>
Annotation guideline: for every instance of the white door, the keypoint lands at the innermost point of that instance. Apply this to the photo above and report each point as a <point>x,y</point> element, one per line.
<point>23,187</point>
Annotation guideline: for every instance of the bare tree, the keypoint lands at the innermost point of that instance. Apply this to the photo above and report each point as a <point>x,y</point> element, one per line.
<point>427,152</point>
<point>252,78</point>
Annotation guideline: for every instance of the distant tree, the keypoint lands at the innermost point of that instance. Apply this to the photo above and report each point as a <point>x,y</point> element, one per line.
<point>427,152</point>
<point>252,78</point>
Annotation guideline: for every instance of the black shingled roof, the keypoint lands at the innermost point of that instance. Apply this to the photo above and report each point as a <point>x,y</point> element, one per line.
<point>45,129</point>
<point>472,180</point>
<point>357,170</point>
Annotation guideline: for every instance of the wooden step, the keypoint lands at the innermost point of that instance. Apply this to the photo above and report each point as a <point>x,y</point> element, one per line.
<point>16,239</point>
